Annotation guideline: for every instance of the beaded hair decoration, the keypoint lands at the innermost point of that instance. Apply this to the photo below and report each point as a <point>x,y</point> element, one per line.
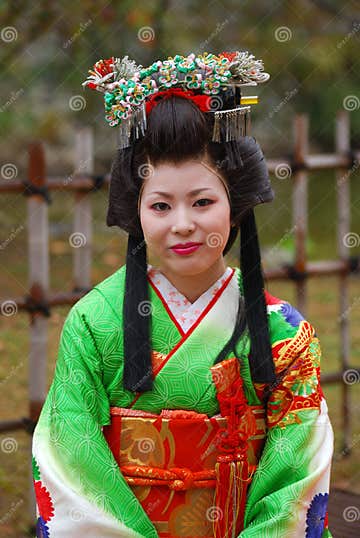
<point>131,90</point>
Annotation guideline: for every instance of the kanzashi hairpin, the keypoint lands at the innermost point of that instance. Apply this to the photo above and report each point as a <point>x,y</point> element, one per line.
<point>127,87</point>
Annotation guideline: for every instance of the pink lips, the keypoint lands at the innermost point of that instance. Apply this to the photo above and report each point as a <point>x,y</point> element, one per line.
<point>186,250</point>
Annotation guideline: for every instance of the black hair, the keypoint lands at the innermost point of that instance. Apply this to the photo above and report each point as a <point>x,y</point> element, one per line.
<point>178,130</point>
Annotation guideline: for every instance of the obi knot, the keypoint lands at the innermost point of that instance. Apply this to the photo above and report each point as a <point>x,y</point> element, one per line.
<point>184,481</point>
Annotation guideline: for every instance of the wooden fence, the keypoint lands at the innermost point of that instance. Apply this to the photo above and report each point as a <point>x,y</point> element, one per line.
<point>39,301</point>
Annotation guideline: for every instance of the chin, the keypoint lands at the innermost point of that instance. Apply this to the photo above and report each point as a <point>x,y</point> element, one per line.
<point>187,265</point>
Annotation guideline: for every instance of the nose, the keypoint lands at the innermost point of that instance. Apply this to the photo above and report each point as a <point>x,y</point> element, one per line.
<point>183,221</point>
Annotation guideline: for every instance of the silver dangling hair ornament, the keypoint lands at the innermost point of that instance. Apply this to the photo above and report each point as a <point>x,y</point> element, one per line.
<point>136,120</point>
<point>231,124</point>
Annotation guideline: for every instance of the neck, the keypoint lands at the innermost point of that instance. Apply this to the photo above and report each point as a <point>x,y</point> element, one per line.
<point>193,286</point>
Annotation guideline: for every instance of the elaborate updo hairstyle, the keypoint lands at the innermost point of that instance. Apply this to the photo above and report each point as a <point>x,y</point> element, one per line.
<point>177,130</point>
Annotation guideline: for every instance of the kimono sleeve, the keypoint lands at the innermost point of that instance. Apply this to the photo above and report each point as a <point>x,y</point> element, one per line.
<point>289,492</point>
<point>79,488</point>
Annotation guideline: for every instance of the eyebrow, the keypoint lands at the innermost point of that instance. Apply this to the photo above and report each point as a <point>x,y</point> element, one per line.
<point>168,195</point>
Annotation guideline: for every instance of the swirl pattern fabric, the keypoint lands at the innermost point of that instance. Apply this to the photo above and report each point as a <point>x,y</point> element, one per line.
<point>80,490</point>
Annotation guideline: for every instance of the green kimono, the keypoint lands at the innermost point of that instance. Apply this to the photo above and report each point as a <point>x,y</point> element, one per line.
<point>79,487</point>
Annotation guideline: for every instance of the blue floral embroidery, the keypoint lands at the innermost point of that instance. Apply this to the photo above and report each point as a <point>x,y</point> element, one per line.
<point>315,516</point>
<point>42,530</point>
<point>291,315</point>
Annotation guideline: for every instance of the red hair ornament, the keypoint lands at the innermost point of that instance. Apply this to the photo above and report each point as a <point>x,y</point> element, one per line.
<point>203,102</point>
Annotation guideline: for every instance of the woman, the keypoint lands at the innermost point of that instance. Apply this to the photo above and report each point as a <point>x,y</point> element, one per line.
<point>186,400</point>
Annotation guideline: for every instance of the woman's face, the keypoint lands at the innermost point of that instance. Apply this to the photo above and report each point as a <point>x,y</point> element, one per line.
<point>180,215</point>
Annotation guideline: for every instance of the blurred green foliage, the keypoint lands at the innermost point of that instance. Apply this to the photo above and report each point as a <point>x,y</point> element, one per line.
<point>310,48</point>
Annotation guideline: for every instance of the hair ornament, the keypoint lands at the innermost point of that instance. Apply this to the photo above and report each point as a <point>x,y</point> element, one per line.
<point>127,87</point>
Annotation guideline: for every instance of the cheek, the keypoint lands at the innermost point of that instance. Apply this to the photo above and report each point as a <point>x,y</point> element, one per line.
<point>150,225</point>
<point>145,224</point>
<point>220,226</point>
<point>221,215</point>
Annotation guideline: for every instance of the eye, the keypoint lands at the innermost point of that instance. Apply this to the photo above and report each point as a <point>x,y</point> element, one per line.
<point>204,200</point>
<point>165,204</point>
<point>157,204</point>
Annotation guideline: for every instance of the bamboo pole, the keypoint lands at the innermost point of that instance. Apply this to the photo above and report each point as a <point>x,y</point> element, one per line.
<point>312,269</point>
<point>300,195</point>
<point>81,238</point>
<point>83,181</point>
<point>38,241</point>
<point>73,182</point>
<point>60,298</point>
<point>342,145</point>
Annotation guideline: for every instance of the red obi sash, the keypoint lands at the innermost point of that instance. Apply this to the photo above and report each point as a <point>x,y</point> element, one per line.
<point>191,472</point>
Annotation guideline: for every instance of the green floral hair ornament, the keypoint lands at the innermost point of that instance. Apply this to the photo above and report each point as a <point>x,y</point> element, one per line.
<point>127,86</point>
